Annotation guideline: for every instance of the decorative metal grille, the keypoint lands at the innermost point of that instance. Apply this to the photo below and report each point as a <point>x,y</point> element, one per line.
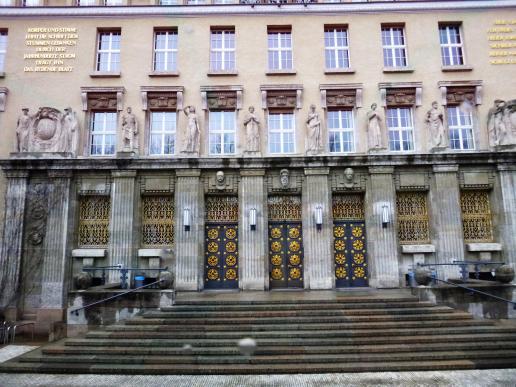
<point>476,216</point>
<point>94,221</point>
<point>222,209</point>
<point>157,220</point>
<point>348,207</point>
<point>412,211</point>
<point>283,207</point>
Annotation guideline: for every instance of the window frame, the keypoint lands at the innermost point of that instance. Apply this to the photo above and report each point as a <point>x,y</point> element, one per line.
<point>460,128</point>
<point>162,133</point>
<point>400,130</point>
<point>222,132</point>
<point>102,133</point>
<point>341,131</point>
<point>40,3</point>
<point>392,47</point>
<point>282,132</point>
<point>335,48</point>
<point>449,46</point>
<point>168,52</point>
<point>228,55</point>
<point>3,50</point>
<point>109,51</point>
<point>280,33</point>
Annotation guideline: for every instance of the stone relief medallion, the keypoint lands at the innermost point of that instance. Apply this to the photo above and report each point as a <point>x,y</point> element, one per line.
<point>341,272</point>
<point>213,274</point>
<point>295,273</point>
<point>231,274</point>
<point>276,259</point>
<point>277,274</point>
<point>231,260</point>
<point>213,260</point>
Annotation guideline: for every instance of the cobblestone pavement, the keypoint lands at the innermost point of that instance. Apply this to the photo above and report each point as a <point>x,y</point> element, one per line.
<point>489,378</point>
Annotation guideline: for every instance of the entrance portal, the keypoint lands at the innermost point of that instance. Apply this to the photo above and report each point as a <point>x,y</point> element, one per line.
<point>349,245</point>
<point>285,242</point>
<point>221,243</point>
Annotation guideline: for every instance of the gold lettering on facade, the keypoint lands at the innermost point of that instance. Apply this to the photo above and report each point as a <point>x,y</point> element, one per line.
<point>50,49</point>
<point>504,46</point>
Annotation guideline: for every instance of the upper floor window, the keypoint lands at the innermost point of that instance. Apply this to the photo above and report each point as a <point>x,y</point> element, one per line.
<point>460,127</point>
<point>451,45</point>
<point>341,131</point>
<point>108,51</point>
<point>280,48</point>
<point>394,47</point>
<point>336,47</point>
<point>401,128</point>
<point>222,50</point>
<point>222,132</point>
<point>168,2</point>
<point>6,3</point>
<point>103,133</point>
<point>281,132</point>
<point>113,2</point>
<point>196,2</point>
<point>165,50</point>
<point>162,133</point>
<point>31,3</point>
<point>86,3</point>
<point>3,49</point>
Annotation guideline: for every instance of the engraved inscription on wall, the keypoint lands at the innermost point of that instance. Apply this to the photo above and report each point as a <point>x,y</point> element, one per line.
<point>502,42</point>
<point>50,49</point>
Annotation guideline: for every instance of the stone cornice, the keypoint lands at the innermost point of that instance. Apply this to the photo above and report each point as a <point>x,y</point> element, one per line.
<point>258,9</point>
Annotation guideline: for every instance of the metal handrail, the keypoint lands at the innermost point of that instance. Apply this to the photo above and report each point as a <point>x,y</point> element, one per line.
<point>477,291</point>
<point>76,311</point>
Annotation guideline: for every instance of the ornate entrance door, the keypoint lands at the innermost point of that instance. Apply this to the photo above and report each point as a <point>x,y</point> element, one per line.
<point>221,243</point>
<point>349,245</point>
<point>285,242</point>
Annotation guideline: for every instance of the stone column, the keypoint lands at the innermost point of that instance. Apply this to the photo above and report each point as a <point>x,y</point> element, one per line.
<point>508,207</point>
<point>121,230</point>
<point>382,242</point>
<point>252,245</point>
<point>55,257</point>
<point>318,258</point>
<point>446,218</point>
<point>189,244</point>
<point>12,241</point>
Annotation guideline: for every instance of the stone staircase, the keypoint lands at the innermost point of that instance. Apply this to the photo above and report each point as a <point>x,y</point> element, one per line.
<point>348,332</point>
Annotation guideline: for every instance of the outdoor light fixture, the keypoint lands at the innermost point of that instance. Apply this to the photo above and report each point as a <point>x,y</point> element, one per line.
<point>318,218</point>
<point>252,218</point>
<point>385,216</point>
<point>186,219</point>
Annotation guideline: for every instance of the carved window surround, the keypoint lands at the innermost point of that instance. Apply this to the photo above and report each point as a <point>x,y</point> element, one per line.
<point>456,92</point>
<point>162,97</point>
<point>221,97</point>
<point>3,98</point>
<point>400,93</point>
<point>283,96</point>
<point>105,97</point>
<point>347,95</point>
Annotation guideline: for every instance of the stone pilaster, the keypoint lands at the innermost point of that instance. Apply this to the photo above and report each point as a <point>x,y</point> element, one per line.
<point>253,243</point>
<point>53,282</point>
<point>446,218</point>
<point>189,244</point>
<point>382,241</point>
<point>318,260</point>
<point>508,207</point>
<point>121,229</point>
<point>11,243</point>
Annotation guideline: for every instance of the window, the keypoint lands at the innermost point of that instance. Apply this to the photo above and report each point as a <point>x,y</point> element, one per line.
<point>222,50</point>
<point>103,133</point>
<point>222,132</point>
<point>162,133</point>
<point>94,212</point>
<point>476,216</point>
<point>280,49</point>
<point>165,50</point>
<point>394,47</point>
<point>168,2</point>
<point>412,214</point>
<point>3,49</point>
<point>6,3</point>
<point>31,3</point>
<point>281,132</point>
<point>108,52</point>
<point>113,2</point>
<point>86,3</point>
<point>400,127</point>
<point>225,2</point>
<point>460,127</point>
<point>336,47</point>
<point>340,131</point>
<point>451,45</point>
<point>157,220</point>
<point>196,2</point>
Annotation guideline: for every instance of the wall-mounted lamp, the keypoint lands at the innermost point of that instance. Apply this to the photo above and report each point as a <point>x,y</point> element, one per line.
<point>318,218</point>
<point>252,219</point>
<point>385,216</point>
<point>186,219</point>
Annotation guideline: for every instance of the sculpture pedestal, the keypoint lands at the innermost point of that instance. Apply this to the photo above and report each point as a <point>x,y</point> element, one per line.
<point>252,154</point>
<point>41,155</point>
<point>126,154</point>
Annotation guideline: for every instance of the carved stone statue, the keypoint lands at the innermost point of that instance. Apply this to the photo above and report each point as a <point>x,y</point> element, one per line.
<point>314,138</point>
<point>220,180</point>
<point>47,132</point>
<point>435,124</point>
<point>349,178</point>
<point>374,129</point>
<point>22,131</point>
<point>252,129</point>
<point>71,128</point>
<point>499,123</point>
<point>129,130</point>
<point>191,144</point>
<point>284,178</point>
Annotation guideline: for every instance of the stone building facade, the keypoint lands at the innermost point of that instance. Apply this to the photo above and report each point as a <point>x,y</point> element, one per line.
<point>253,146</point>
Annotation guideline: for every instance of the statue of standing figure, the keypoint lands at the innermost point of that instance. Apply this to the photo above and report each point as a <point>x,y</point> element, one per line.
<point>435,124</point>
<point>374,129</point>
<point>71,128</point>
<point>22,131</point>
<point>192,131</point>
<point>313,123</point>
<point>129,130</point>
<point>499,124</point>
<point>252,129</point>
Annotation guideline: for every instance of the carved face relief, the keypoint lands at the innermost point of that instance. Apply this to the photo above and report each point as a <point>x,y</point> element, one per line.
<point>284,178</point>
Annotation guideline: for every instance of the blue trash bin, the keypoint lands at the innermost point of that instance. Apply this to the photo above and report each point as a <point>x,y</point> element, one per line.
<point>138,281</point>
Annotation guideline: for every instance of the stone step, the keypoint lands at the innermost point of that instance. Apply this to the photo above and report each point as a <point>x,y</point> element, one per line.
<point>238,334</point>
<point>282,300</point>
<point>282,350</point>
<point>191,369</point>
<point>274,342</point>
